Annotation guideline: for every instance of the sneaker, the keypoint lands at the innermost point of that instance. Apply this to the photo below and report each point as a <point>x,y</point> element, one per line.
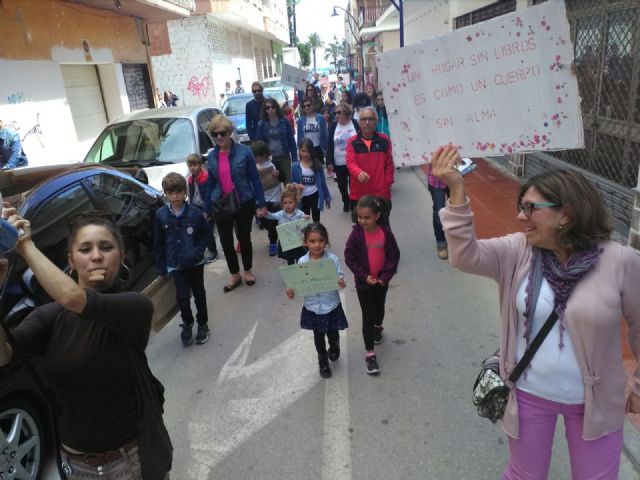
<point>273,249</point>
<point>345,208</point>
<point>210,257</point>
<point>187,334</point>
<point>372,365</point>
<point>443,253</point>
<point>238,248</point>
<point>378,338</point>
<point>334,353</point>
<point>325,370</point>
<point>203,335</point>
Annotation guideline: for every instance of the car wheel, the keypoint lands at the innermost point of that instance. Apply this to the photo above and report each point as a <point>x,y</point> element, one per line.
<point>21,440</point>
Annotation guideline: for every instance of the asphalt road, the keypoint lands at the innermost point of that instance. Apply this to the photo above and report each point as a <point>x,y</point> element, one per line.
<point>250,405</point>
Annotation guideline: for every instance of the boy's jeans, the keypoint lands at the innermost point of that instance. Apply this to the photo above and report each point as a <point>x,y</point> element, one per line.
<point>187,281</point>
<point>438,197</point>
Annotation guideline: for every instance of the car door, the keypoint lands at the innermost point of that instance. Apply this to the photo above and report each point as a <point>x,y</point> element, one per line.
<point>134,206</point>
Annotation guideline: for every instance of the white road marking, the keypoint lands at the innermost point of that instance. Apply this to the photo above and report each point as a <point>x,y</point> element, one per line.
<point>286,373</point>
<point>336,461</point>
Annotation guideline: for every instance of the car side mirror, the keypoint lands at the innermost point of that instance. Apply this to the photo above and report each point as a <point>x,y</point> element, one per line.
<point>141,176</point>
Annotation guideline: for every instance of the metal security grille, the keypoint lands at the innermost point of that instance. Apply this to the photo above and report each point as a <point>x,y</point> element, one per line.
<point>606,38</point>
<point>485,13</point>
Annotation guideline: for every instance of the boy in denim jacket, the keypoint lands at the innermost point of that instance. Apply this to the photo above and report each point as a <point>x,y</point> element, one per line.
<point>180,237</point>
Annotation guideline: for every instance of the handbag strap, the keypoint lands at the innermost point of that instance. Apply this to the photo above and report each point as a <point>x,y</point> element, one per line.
<point>533,348</point>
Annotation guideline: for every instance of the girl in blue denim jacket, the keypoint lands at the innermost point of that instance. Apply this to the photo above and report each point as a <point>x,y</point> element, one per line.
<point>322,312</point>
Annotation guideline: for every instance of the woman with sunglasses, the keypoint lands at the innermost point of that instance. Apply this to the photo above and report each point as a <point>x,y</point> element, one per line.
<point>563,261</point>
<point>313,126</point>
<point>233,171</point>
<point>340,131</point>
<point>313,94</point>
<point>275,130</point>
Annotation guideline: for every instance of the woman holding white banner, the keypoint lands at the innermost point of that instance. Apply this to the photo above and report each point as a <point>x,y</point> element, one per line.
<point>563,262</point>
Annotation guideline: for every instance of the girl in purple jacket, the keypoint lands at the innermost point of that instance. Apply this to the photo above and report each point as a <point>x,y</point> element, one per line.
<point>372,254</point>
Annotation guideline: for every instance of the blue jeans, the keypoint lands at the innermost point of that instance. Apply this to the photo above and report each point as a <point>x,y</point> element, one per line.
<point>438,198</point>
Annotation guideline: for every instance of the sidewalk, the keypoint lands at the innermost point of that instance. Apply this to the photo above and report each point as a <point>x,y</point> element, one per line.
<point>493,195</point>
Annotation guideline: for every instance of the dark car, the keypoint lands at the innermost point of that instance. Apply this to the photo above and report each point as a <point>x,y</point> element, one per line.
<point>24,415</point>
<point>234,108</point>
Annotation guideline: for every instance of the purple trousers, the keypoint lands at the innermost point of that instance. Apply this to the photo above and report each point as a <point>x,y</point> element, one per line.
<point>530,455</point>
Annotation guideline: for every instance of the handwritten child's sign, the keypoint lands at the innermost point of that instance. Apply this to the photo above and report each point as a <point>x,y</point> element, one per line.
<point>500,87</point>
<point>290,234</point>
<point>293,77</point>
<point>310,278</point>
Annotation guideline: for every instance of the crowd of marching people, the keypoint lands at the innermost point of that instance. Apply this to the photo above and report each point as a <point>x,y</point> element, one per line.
<point>562,266</point>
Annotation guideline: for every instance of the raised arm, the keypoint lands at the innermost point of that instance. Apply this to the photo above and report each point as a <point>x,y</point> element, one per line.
<point>466,252</point>
<point>60,286</point>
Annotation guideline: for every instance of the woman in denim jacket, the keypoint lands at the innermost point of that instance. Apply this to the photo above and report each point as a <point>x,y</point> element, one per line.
<point>274,129</point>
<point>233,171</point>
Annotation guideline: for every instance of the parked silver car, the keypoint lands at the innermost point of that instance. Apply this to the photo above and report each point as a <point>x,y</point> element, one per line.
<point>155,141</point>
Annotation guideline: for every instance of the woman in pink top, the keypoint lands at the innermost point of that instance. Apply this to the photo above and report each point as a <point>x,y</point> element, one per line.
<point>232,170</point>
<point>563,261</point>
<point>372,255</point>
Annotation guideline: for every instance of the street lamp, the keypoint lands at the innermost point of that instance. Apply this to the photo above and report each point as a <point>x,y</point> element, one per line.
<point>357,37</point>
<point>399,4</point>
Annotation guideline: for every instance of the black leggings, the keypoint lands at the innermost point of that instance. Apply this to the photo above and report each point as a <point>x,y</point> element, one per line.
<point>243,221</point>
<point>321,347</point>
<point>372,302</point>
<point>309,204</point>
<point>342,174</point>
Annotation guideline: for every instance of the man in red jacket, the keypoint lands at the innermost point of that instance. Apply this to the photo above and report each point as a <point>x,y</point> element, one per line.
<point>370,162</point>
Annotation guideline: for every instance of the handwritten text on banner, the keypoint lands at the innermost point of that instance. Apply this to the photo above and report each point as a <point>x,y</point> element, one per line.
<point>293,77</point>
<point>499,87</point>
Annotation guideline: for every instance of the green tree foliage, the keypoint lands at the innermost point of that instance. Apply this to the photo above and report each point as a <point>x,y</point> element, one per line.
<point>305,54</point>
<point>332,51</point>
<point>314,43</point>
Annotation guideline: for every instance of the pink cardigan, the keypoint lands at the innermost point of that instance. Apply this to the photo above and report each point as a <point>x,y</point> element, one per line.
<point>592,316</point>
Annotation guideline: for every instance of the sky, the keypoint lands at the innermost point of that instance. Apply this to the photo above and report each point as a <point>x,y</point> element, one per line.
<point>314,16</point>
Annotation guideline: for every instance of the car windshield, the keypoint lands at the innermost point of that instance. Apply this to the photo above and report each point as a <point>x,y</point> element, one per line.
<point>235,105</point>
<point>277,94</point>
<point>164,140</point>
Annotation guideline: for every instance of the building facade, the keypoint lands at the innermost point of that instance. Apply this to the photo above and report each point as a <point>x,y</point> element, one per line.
<point>606,40</point>
<point>225,41</point>
<point>68,68</point>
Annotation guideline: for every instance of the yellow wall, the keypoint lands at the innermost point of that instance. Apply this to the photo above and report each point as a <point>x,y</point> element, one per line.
<point>31,28</point>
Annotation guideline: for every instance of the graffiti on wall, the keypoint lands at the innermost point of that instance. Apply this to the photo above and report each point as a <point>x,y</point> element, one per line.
<point>16,97</point>
<point>198,88</point>
<point>34,132</point>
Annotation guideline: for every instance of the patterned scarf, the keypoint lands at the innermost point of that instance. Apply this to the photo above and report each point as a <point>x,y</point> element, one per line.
<point>561,278</point>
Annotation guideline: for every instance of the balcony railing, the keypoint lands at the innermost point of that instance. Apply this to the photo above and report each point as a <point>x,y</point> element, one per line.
<point>372,11</point>
<point>188,4</point>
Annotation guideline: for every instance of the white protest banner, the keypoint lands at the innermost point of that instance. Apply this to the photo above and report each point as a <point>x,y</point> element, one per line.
<point>293,77</point>
<point>502,86</point>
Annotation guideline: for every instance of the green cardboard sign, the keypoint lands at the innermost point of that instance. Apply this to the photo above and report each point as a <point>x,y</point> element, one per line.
<point>290,234</point>
<point>310,278</point>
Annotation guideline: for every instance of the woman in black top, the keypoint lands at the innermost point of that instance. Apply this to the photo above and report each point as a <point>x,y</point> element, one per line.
<point>91,342</point>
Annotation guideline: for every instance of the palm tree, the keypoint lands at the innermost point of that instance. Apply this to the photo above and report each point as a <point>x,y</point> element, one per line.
<point>333,51</point>
<point>314,43</point>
